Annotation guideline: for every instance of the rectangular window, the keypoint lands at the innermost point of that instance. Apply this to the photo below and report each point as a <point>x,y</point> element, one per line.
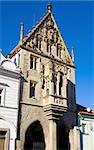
<point>33,62</point>
<point>57,50</point>
<point>47,46</point>
<point>4,139</point>
<point>55,83</point>
<point>60,85</point>
<point>32,89</point>
<point>1,90</point>
<point>84,128</point>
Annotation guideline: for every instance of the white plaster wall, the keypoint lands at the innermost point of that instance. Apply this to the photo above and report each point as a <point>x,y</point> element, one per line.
<point>9,109</point>
<point>88,137</point>
<point>11,92</point>
<point>10,114</point>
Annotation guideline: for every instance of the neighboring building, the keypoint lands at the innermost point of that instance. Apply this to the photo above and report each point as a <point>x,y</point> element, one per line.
<point>86,126</point>
<point>47,114</point>
<point>9,101</point>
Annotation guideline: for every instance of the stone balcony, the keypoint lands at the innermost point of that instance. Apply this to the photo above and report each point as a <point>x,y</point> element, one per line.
<point>54,106</point>
<point>54,99</point>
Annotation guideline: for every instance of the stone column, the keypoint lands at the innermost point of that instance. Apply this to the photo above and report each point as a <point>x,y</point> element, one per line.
<point>75,139</point>
<point>64,86</point>
<point>71,139</point>
<point>52,135</point>
<point>51,82</point>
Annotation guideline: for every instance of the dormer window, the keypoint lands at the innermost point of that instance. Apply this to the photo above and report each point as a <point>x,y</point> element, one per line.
<point>33,62</point>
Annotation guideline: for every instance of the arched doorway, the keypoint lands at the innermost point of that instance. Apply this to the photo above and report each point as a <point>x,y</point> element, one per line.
<point>34,137</point>
<point>62,138</point>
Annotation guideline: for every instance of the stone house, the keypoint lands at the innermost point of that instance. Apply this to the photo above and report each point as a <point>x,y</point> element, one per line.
<point>47,112</point>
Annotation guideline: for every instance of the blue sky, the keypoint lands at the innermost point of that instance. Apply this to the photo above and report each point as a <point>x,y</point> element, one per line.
<point>75,20</point>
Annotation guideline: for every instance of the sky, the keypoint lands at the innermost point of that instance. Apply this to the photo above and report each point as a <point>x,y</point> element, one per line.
<point>75,20</point>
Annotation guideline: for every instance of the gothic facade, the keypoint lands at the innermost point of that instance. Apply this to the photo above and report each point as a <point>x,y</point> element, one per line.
<point>47,112</point>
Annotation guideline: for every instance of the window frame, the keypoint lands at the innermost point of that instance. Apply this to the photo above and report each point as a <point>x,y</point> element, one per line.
<point>7,137</point>
<point>33,62</point>
<point>32,92</point>
<point>2,101</point>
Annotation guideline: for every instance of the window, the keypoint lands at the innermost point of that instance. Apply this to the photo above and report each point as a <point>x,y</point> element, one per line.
<point>43,70</point>
<point>32,89</point>
<point>1,91</point>
<point>43,85</point>
<point>54,87</point>
<point>47,46</point>
<point>55,82</point>
<point>33,62</point>
<point>60,85</point>
<point>84,128</point>
<point>57,50</point>
<point>4,139</point>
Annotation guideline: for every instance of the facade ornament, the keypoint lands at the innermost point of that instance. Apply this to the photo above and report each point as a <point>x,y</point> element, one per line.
<point>49,7</point>
<point>31,43</point>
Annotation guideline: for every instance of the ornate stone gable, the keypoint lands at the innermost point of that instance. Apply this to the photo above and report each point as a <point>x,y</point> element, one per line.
<point>46,38</point>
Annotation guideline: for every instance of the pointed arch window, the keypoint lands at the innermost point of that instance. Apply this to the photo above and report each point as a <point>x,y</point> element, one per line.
<point>60,84</point>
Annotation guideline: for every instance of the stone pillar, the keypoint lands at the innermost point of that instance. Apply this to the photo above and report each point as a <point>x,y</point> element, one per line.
<point>74,139</point>
<point>71,139</point>
<point>51,82</point>
<point>52,135</point>
<point>18,145</point>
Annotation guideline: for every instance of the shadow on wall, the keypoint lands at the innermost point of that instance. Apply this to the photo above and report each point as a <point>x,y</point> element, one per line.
<point>19,107</point>
<point>62,137</point>
<point>71,95</point>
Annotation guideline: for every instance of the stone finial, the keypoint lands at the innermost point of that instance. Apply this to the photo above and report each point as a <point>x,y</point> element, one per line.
<point>21,31</point>
<point>49,7</point>
<point>72,53</point>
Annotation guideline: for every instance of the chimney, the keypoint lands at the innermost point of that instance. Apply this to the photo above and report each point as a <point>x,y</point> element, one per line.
<point>21,32</point>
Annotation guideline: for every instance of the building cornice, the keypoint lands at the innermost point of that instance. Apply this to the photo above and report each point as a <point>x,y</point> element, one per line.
<point>6,72</point>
